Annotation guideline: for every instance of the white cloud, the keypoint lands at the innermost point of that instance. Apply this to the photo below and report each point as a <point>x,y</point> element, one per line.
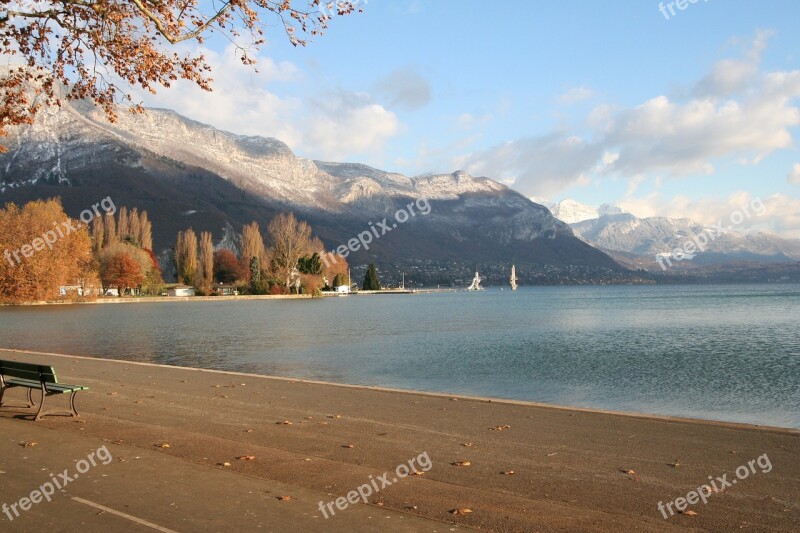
<point>729,76</point>
<point>543,165</point>
<point>335,125</point>
<point>778,213</point>
<point>577,94</point>
<point>346,123</point>
<point>633,184</point>
<point>794,175</point>
<point>405,88</point>
<point>736,112</point>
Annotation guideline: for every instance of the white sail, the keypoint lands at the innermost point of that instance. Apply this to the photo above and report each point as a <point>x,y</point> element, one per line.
<point>476,283</point>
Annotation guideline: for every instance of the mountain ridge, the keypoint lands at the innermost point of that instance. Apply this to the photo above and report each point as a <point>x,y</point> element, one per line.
<point>186,173</point>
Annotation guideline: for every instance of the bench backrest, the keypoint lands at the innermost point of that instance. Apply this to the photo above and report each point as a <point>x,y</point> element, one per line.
<point>13,369</point>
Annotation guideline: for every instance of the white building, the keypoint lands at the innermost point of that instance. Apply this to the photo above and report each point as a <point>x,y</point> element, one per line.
<point>181,290</point>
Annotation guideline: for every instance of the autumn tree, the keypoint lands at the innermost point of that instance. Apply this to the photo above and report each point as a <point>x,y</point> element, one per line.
<point>43,250</point>
<point>145,231</point>
<point>148,264</point>
<point>98,234</point>
<point>123,272</point>
<point>186,256</point>
<point>110,225</point>
<point>205,267</point>
<point>335,266</point>
<point>123,225</point>
<point>135,226</point>
<point>101,50</point>
<point>290,240</point>
<point>226,266</point>
<point>252,245</point>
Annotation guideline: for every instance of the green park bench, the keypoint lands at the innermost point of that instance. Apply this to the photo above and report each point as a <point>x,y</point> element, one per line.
<point>30,376</point>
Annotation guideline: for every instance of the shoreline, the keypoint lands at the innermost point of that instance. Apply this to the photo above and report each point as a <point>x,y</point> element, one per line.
<point>241,297</point>
<point>433,394</point>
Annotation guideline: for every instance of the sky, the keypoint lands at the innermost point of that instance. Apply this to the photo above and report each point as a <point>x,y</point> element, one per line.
<point>683,113</point>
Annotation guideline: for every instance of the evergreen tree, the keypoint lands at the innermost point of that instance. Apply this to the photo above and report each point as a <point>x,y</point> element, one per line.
<point>371,282</point>
<point>310,264</point>
<point>338,281</point>
<point>256,287</point>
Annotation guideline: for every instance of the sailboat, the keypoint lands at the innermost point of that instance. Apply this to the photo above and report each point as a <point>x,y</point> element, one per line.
<point>476,283</point>
<point>513,278</point>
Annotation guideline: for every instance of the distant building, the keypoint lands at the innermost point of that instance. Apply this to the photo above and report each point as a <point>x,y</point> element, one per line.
<point>343,289</point>
<point>181,290</point>
<point>223,289</point>
<point>67,289</point>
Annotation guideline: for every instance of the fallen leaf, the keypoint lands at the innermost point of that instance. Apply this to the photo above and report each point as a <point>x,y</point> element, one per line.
<point>508,473</point>
<point>689,512</point>
<point>347,446</point>
<point>162,445</point>
<point>247,458</point>
<point>249,430</point>
<point>284,423</point>
<point>461,463</point>
<point>417,473</point>
<point>226,463</point>
<point>460,512</point>
<point>629,472</point>
<point>30,444</point>
<point>467,445</point>
<point>411,508</point>
<point>500,428</point>
<point>552,454</point>
<point>284,498</point>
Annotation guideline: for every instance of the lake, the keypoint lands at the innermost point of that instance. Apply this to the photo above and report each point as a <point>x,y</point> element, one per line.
<point>722,352</point>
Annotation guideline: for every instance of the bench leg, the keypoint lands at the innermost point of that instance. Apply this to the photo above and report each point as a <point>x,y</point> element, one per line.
<point>72,403</point>
<point>73,412</point>
<point>3,389</point>
<point>39,413</point>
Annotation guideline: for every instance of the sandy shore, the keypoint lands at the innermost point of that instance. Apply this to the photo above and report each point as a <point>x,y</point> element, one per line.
<point>574,470</point>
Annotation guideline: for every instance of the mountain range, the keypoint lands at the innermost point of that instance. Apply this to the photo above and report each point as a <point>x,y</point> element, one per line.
<point>188,174</point>
<point>640,242</point>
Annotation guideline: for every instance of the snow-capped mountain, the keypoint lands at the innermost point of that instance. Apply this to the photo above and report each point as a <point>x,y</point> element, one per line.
<point>571,212</point>
<point>642,240</point>
<point>185,173</point>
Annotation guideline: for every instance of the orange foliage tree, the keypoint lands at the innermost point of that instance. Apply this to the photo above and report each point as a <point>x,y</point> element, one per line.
<point>43,250</point>
<point>93,47</point>
<point>122,272</point>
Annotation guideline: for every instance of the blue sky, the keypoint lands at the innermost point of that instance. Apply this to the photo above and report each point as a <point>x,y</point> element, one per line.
<point>602,102</point>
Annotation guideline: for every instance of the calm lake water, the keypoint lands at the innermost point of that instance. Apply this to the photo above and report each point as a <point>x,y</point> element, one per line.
<point>717,352</point>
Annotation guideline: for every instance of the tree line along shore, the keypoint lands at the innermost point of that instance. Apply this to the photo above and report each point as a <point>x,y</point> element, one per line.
<point>48,256</point>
